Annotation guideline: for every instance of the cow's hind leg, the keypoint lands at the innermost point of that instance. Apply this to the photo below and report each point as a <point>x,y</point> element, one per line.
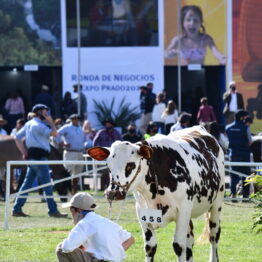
<point>180,239</point>
<point>214,227</point>
<point>190,242</point>
<point>149,241</point>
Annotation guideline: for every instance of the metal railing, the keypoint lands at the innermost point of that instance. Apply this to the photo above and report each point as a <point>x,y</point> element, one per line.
<point>92,172</point>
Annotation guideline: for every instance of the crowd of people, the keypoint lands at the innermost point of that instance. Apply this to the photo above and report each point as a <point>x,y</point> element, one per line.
<point>73,134</point>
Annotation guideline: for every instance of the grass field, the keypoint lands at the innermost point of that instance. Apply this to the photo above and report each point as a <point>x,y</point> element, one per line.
<point>34,238</point>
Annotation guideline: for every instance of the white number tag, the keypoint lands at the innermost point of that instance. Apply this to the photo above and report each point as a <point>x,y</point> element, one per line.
<point>149,215</point>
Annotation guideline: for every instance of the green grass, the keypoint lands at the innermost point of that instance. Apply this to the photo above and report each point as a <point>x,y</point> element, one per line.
<point>35,238</point>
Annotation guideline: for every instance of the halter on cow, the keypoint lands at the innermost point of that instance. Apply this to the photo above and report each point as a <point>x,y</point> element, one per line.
<point>182,175</point>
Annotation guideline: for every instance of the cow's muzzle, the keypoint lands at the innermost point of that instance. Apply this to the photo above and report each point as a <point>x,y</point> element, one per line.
<point>115,195</point>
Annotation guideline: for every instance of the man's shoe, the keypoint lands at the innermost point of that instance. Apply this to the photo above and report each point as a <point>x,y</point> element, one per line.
<point>57,214</point>
<point>20,214</point>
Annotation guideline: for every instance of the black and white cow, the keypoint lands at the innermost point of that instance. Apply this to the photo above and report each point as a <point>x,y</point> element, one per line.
<point>181,174</point>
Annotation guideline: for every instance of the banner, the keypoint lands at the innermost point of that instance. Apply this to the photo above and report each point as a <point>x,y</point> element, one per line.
<point>247,56</point>
<point>202,35</point>
<point>121,50</point>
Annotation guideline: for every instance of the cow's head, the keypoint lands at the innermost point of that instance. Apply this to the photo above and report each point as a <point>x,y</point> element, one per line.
<point>124,161</point>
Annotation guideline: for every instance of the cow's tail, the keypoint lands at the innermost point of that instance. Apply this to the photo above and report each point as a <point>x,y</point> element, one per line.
<point>204,237</point>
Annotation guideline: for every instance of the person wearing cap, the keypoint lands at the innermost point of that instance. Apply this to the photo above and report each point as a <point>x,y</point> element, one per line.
<point>2,123</point>
<point>108,135</point>
<point>82,100</point>
<point>73,138</point>
<point>36,133</point>
<point>239,151</point>
<point>233,102</point>
<point>182,122</point>
<point>44,97</point>
<point>93,238</point>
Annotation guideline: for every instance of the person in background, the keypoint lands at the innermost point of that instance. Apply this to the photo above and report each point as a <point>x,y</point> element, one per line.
<point>183,122</point>
<point>73,138</point>
<point>93,238</point>
<point>206,112</point>
<point>158,110</point>
<point>108,135</point>
<point>239,150</point>
<point>152,130</point>
<point>89,134</point>
<point>147,102</point>
<point>15,109</point>
<point>3,122</point>
<point>131,134</point>
<point>43,97</point>
<point>233,102</point>
<point>170,115</point>
<point>83,101</point>
<point>69,106</point>
<point>36,133</point>
<point>19,124</point>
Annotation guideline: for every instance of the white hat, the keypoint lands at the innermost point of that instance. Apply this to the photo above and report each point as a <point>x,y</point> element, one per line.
<point>81,200</point>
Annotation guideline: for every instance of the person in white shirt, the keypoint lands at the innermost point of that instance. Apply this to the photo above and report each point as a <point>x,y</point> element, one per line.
<point>170,115</point>
<point>183,122</point>
<point>158,110</point>
<point>73,138</point>
<point>93,238</point>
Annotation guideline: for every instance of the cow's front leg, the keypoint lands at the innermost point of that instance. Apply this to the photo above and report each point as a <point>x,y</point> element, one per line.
<point>150,243</point>
<point>180,238</point>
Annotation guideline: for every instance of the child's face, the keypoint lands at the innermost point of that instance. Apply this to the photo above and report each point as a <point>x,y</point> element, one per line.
<point>192,24</point>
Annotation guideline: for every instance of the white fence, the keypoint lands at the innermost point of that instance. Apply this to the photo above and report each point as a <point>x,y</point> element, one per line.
<point>92,172</point>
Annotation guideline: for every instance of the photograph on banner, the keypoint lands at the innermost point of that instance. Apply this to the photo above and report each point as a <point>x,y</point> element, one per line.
<point>199,40</point>
<point>247,56</point>
<point>113,23</point>
<point>30,32</point>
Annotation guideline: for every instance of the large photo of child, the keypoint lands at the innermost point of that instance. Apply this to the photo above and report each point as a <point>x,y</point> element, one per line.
<point>198,41</point>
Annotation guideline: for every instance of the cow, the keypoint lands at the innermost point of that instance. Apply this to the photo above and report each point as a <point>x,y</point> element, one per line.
<point>181,174</point>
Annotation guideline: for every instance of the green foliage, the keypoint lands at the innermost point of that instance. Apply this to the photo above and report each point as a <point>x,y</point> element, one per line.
<point>122,116</point>
<point>257,197</point>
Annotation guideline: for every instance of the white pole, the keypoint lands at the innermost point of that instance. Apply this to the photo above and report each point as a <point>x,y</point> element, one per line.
<point>179,58</point>
<point>7,195</point>
<point>229,41</point>
<point>78,55</point>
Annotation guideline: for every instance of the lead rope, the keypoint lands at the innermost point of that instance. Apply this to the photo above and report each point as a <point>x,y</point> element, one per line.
<point>156,180</point>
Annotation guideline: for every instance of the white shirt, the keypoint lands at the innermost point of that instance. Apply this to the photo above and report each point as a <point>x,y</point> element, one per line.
<point>170,119</point>
<point>158,111</point>
<point>176,127</point>
<point>233,103</point>
<point>100,237</point>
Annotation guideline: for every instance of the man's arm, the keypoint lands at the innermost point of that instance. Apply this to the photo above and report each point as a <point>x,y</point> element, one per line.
<point>128,243</point>
<point>49,121</point>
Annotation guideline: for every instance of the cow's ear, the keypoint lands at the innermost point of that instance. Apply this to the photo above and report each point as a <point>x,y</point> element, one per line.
<point>146,152</point>
<point>98,153</point>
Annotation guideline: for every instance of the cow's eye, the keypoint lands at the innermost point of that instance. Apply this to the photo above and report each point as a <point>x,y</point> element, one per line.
<point>114,155</point>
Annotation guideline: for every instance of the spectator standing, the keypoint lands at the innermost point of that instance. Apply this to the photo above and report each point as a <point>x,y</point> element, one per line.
<point>83,101</point>
<point>131,134</point>
<point>37,132</point>
<point>43,97</point>
<point>73,138</point>
<point>233,102</point>
<point>69,106</point>
<point>89,134</point>
<point>158,110</point>
<point>93,238</point>
<point>147,102</point>
<point>239,150</point>
<point>183,122</point>
<point>19,124</point>
<point>15,109</point>
<point>170,115</point>
<point>206,112</point>
<point>108,135</point>
<point>151,130</point>
<point>3,122</point>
